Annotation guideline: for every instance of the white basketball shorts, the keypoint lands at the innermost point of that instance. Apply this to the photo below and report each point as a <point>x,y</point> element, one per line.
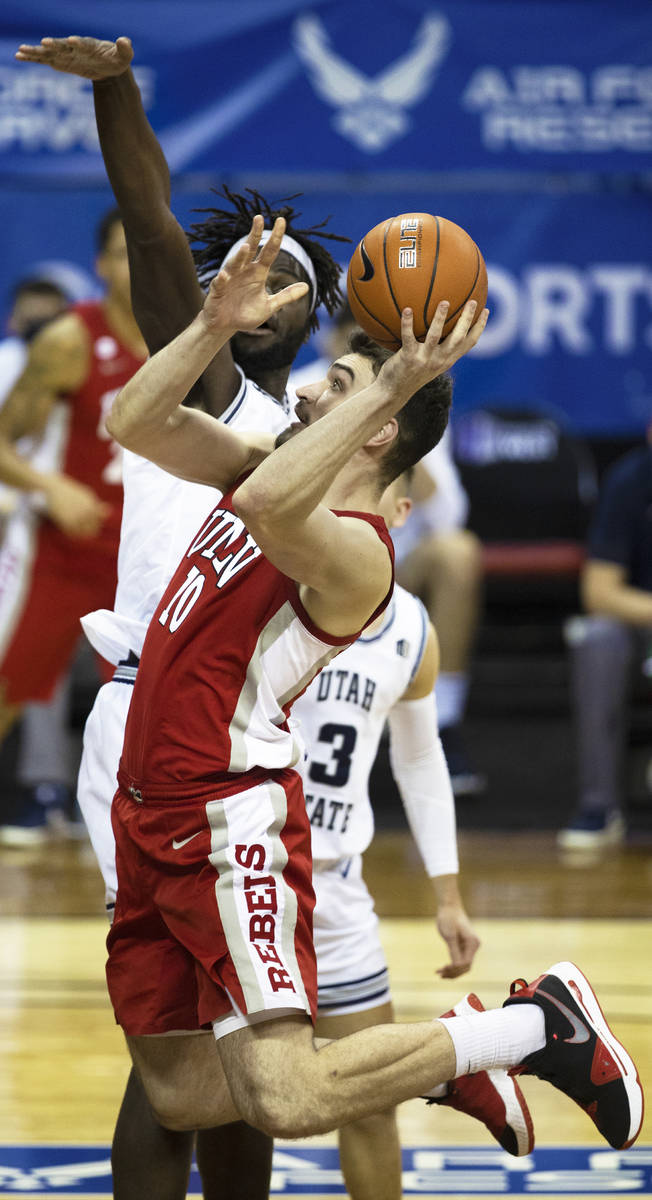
<point>103,738</point>
<point>351,966</point>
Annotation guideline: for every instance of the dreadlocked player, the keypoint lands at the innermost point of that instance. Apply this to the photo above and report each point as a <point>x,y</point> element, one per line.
<point>245,387</point>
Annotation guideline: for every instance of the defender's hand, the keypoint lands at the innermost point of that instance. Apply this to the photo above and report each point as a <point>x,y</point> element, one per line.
<point>89,57</point>
<point>460,937</point>
<point>238,296</point>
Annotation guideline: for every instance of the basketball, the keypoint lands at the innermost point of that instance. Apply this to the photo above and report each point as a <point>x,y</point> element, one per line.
<point>413,261</point>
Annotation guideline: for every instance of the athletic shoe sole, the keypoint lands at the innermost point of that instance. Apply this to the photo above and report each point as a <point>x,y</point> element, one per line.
<point>587,839</point>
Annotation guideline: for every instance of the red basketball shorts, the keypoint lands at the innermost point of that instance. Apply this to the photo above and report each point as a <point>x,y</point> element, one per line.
<point>46,584</point>
<point>213,915</point>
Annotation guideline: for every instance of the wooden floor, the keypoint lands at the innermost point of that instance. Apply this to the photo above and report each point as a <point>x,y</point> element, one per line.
<point>64,1062</point>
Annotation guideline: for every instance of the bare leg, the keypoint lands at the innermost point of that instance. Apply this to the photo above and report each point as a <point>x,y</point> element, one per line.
<point>148,1161</point>
<point>184,1080</point>
<point>279,1082</point>
<point>153,1163</point>
<point>370,1151</point>
<point>234,1161</point>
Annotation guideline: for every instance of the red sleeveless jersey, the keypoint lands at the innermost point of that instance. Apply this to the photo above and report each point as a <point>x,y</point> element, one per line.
<point>229,649</point>
<point>89,455</point>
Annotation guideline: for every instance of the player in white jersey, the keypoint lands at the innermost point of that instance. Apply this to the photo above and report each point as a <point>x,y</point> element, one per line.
<point>388,675</point>
<point>160,515</point>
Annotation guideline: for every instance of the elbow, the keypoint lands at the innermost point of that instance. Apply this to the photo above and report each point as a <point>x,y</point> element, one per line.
<point>123,431</point>
<point>116,428</point>
<point>258,509</point>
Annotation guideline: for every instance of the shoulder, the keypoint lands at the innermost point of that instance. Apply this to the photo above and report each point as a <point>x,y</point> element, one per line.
<point>425,676</point>
<point>59,355</point>
<point>67,334</point>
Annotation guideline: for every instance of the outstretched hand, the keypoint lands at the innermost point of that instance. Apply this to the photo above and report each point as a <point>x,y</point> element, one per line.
<point>416,363</point>
<point>238,297</point>
<point>86,56</point>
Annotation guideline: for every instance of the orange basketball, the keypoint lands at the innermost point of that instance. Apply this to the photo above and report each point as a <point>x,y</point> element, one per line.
<point>413,261</point>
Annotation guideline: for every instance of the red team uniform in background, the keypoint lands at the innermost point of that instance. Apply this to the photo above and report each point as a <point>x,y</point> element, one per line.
<point>215,899</point>
<point>62,577</point>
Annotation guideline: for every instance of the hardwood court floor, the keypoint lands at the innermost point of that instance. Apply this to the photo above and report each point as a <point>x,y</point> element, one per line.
<point>64,1062</point>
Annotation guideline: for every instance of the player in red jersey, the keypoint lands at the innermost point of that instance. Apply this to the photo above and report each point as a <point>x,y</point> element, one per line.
<point>69,532</point>
<point>212,921</point>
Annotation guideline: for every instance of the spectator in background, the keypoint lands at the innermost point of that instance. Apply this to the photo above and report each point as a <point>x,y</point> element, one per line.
<point>59,552</point>
<point>608,643</point>
<point>34,302</point>
<point>44,749</point>
<point>439,561</point>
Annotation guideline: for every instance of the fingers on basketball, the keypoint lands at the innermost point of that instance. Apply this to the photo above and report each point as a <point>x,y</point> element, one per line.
<point>414,260</point>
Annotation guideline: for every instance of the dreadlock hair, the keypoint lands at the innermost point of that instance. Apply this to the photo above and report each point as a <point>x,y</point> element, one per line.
<point>421,422</point>
<point>217,234</point>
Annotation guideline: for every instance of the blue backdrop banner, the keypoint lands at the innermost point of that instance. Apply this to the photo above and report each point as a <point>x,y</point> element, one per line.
<point>326,85</point>
<point>528,124</point>
<point>570,285</point>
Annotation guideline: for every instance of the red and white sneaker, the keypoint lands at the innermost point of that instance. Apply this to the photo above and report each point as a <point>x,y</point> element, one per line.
<point>492,1097</point>
<point>582,1057</point>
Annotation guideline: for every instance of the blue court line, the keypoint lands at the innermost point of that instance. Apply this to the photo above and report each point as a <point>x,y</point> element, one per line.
<point>301,1170</point>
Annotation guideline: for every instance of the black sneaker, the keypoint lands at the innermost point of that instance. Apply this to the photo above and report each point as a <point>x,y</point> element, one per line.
<point>465,779</point>
<point>581,1056</point>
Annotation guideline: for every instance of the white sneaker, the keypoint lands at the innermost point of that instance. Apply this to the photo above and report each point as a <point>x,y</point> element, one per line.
<point>592,831</point>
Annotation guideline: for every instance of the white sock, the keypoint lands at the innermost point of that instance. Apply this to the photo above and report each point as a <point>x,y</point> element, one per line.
<point>451,690</point>
<point>499,1038</point>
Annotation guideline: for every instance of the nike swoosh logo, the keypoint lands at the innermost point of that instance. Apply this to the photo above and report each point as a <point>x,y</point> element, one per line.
<point>580,1030</point>
<point>176,845</point>
<point>369,269</point>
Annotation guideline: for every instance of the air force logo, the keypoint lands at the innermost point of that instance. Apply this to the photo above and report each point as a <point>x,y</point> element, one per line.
<point>371,113</point>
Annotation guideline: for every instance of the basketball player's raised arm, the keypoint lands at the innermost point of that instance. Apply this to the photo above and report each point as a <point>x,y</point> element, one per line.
<point>165,292</point>
<point>57,363</point>
<point>148,416</point>
<point>341,561</point>
<point>423,780</point>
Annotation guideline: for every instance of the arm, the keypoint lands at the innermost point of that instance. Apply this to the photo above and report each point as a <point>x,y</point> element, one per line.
<point>57,363</point>
<point>421,774</point>
<point>606,592</point>
<point>341,563</point>
<point>165,292</point>
<point>280,503</point>
<point>148,417</point>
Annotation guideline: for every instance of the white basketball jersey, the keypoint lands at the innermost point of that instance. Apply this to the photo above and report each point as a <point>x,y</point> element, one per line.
<point>160,516</point>
<point>342,715</point>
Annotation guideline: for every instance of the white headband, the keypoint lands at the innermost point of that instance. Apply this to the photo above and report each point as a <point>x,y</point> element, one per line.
<point>293,249</point>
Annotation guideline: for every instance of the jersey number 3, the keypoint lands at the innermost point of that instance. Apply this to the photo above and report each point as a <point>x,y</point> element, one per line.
<point>336,771</point>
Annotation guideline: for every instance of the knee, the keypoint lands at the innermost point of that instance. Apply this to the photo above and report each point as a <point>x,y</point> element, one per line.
<point>276,1113</point>
<point>596,632</point>
<point>458,552</point>
<point>170,1111</point>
